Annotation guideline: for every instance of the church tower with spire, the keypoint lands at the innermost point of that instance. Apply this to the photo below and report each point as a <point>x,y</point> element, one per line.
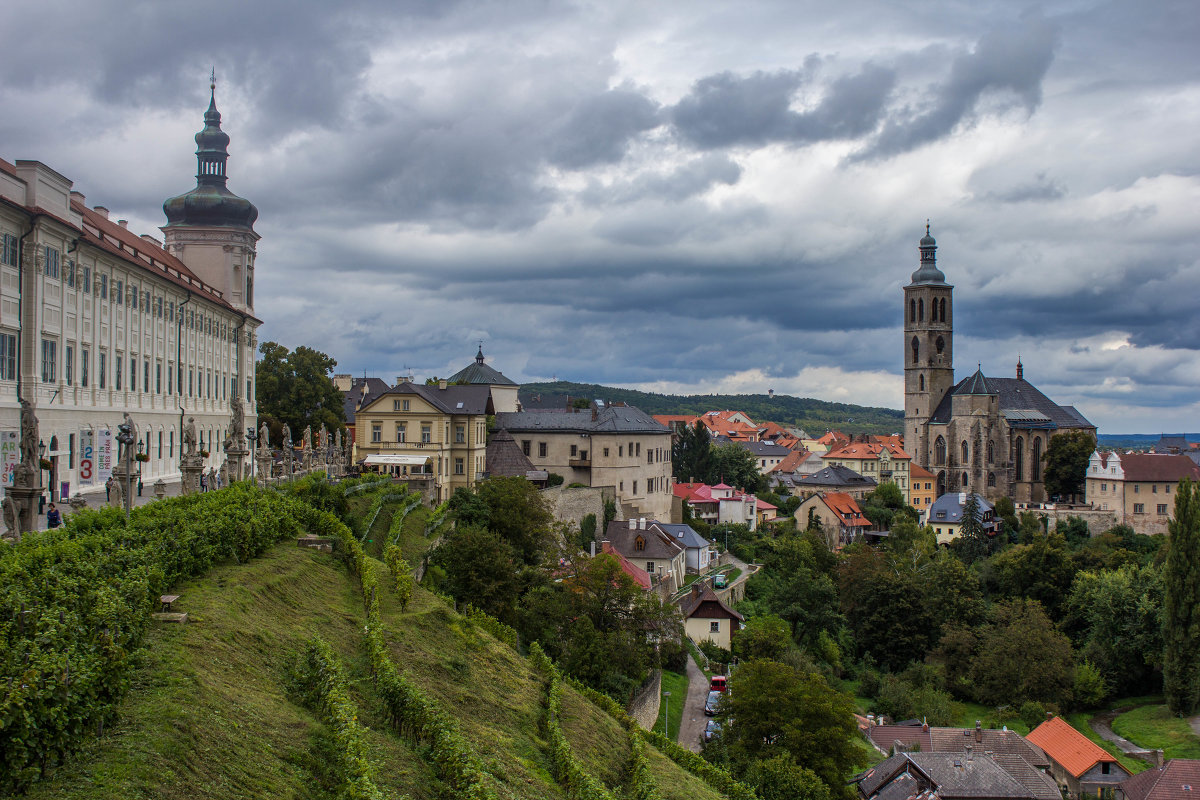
<point>210,228</point>
<point>928,346</point>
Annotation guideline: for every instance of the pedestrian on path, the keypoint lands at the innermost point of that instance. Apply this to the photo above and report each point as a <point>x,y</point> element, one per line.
<point>108,484</point>
<point>53,517</point>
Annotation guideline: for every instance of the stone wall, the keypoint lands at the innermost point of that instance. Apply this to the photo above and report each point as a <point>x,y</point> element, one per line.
<point>1097,521</point>
<point>646,700</point>
<point>572,505</point>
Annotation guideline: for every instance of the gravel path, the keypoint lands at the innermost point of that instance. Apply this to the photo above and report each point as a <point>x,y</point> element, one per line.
<point>691,726</point>
<point>1102,725</point>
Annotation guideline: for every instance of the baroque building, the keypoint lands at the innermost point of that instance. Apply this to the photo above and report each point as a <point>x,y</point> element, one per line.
<point>96,320</point>
<point>983,435</point>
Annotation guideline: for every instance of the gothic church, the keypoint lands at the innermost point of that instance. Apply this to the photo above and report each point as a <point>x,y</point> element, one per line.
<point>984,435</point>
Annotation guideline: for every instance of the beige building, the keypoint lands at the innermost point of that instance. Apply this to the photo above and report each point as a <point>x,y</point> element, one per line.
<point>882,463</point>
<point>1138,487</point>
<point>96,320</point>
<point>436,436</point>
<point>606,445</point>
<point>650,547</point>
<point>707,618</point>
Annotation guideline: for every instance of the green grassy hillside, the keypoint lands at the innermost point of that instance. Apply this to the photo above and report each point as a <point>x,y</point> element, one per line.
<point>815,416</point>
<point>210,714</point>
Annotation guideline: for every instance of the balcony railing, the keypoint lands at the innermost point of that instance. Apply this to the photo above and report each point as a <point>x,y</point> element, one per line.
<point>579,463</point>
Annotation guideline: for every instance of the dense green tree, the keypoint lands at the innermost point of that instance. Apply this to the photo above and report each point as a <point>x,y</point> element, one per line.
<point>885,504</point>
<point>1066,460</point>
<point>481,568</point>
<point>900,699</point>
<point>692,453</point>
<point>736,466</point>
<point>796,584</point>
<point>519,514</point>
<point>1040,571</point>
<point>885,608</point>
<point>1090,688</point>
<point>1022,656</point>
<point>1115,619</point>
<point>1181,603</point>
<point>781,778</point>
<point>784,711</point>
<point>1006,512</point>
<point>766,636</point>
<point>297,388</point>
<point>468,508</point>
<point>972,542</point>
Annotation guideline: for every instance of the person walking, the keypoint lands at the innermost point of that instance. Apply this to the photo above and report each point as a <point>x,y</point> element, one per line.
<point>203,482</point>
<point>53,517</point>
<point>108,484</point>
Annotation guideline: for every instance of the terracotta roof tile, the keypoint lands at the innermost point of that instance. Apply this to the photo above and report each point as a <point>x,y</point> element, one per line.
<point>1178,779</point>
<point>1158,467</point>
<point>1073,751</point>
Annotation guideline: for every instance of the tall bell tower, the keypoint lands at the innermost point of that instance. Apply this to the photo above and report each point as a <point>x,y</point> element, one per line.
<point>928,347</point>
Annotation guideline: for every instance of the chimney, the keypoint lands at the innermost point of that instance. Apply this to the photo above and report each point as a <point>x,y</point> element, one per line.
<point>442,385</point>
<point>1049,715</point>
<point>102,211</point>
<point>642,523</point>
<point>978,732</point>
<point>970,751</point>
<point>124,223</point>
<point>594,547</point>
<point>925,727</point>
<point>79,196</point>
<point>633,523</point>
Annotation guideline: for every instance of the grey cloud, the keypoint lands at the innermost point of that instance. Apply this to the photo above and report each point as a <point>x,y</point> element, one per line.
<point>599,127</point>
<point>1041,189</point>
<point>724,109</point>
<point>693,178</point>
<point>1014,58</point>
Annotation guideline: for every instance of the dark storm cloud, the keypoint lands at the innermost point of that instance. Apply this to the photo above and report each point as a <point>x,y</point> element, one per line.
<point>598,128</point>
<point>725,110</point>
<point>1011,59</point>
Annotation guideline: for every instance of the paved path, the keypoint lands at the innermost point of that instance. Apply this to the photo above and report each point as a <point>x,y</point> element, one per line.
<point>1195,723</point>
<point>1102,725</point>
<point>691,726</point>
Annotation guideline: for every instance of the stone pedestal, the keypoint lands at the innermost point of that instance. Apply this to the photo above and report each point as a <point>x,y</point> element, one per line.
<point>120,486</point>
<point>238,466</point>
<point>190,467</point>
<point>25,498</point>
<point>160,489</point>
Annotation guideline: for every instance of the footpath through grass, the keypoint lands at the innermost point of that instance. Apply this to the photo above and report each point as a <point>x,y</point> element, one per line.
<point>1079,721</point>
<point>677,685</point>
<point>1154,727</point>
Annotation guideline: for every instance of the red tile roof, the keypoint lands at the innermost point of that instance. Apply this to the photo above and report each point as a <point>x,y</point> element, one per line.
<point>917,471</point>
<point>1073,751</point>
<point>1158,467</point>
<point>848,512</point>
<point>639,575</point>
<point>1178,779</point>
<point>868,450</point>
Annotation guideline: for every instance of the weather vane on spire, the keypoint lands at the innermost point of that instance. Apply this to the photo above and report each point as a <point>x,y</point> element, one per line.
<point>212,79</point>
<point>926,226</point>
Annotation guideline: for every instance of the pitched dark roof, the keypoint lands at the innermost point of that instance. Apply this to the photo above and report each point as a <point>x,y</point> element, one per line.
<point>836,475</point>
<point>611,419</point>
<point>356,397</point>
<point>953,503</point>
<point>764,448</point>
<point>452,399</point>
<point>505,458</point>
<point>657,543</point>
<point>1172,443</point>
<point>1016,395</point>
<point>684,534</point>
<point>976,384</point>
<point>946,776</point>
<point>1178,779</point>
<point>703,602</point>
<point>999,741</point>
<point>479,373</point>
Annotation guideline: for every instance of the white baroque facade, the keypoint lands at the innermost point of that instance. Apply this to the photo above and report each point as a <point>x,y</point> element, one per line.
<point>96,321</point>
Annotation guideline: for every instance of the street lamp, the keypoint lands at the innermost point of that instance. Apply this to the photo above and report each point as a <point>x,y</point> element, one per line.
<point>125,437</point>
<point>252,438</point>
<point>667,714</point>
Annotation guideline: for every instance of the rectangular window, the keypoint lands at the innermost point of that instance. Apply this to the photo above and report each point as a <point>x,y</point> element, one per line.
<point>49,361</point>
<point>8,355</point>
<point>1139,508</point>
<point>191,385</point>
<point>120,371</point>
<point>50,258</point>
<point>86,282</point>
<point>650,566</point>
<point>171,444</point>
<point>70,451</point>
<point>620,451</point>
<point>376,432</point>
<point>460,433</point>
<point>574,450</point>
<point>158,378</point>
<point>426,433</point>
<point>525,446</point>
<point>635,487</point>
<point>158,307</point>
<point>606,452</point>
<point>395,405</point>
<point>118,294</point>
<point>145,302</point>
<point>69,365</point>
<point>459,468</point>
<point>69,274</point>
<point>103,287</point>
<point>103,369</point>
<point>714,626</point>
<point>404,405</point>
<point>9,255</point>
<point>1137,488</point>
<point>132,373</point>
<point>401,432</point>
<point>160,444</point>
<point>145,376</point>
<point>541,449</point>
<point>171,311</point>
<point>1104,487</point>
<point>1162,508</point>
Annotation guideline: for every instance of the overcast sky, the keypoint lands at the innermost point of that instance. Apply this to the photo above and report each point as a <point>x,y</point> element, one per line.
<point>685,196</point>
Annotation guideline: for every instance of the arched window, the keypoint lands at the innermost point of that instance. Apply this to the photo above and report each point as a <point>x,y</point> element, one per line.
<point>941,484</point>
<point>921,310</point>
<point>912,310</point>
<point>966,453</point>
<point>991,452</point>
<point>939,449</point>
<point>966,481</point>
<point>1035,463</point>
<point>941,345</point>
<point>1020,459</point>
<point>943,309</point>
<point>915,349</point>
<point>991,480</point>
<point>921,381</point>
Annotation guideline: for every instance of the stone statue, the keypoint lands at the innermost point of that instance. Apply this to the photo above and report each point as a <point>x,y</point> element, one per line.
<point>264,437</point>
<point>189,437</point>
<point>117,497</point>
<point>307,438</point>
<point>323,439</point>
<point>337,440</point>
<point>237,423</point>
<point>123,448</point>
<point>29,436</point>
<point>12,519</point>
<point>287,437</point>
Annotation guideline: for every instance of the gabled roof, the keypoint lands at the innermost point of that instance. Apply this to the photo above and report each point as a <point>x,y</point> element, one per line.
<point>639,575</point>
<point>684,535</point>
<point>793,460</point>
<point>867,450</point>
<point>362,392</point>
<point>1178,779</point>
<point>479,373</point>
<point>610,419</point>
<point>1158,467</point>
<point>1073,751</point>
<point>943,775</point>
<point>836,475</point>
<point>952,503</point>
<point>656,543</point>
<point>1017,395</point>
<point>916,471</point>
<point>703,602</point>
<point>847,511</point>
<point>451,400</point>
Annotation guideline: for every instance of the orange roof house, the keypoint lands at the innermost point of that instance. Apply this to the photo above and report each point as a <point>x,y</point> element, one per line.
<point>885,462</point>
<point>840,517</point>
<point>639,575</point>
<point>1178,779</point>
<point>922,487</point>
<point>1076,761</point>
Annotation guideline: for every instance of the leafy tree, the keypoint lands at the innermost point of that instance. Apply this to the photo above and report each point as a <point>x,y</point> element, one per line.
<point>885,504</point>
<point>781,778</point>
<point>1022,656</point>
<point>297,388</point>
<point>1006,512</point>
<point>518,514</point>
<point>972,542</point>
<point>1040,571</point>
<point>796,585</point>
<point>766,636</point>
<point>902,699</point>
<point>587,528</point>
<point>885,608</point>
<point>784,711</point>
<point>469,508</point>
<point>1181,603</point>
<point>736,466</point>
<point>691,454</point>
<point>1066,460</point>
<point>481,568</point>
<point>1090,688</point>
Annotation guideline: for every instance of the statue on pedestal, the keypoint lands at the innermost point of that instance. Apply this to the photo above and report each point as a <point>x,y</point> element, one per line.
<point>12,519</point>
<point>189,437</point>
<point>31,462</point>
<point>237,422</point>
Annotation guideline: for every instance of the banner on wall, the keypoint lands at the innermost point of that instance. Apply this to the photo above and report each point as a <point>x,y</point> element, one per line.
<point>96,457</point>
<point>10,454</point>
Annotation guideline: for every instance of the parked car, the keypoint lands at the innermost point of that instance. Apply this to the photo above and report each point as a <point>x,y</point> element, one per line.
<point>717,684</point>
<point>711,729</point>
<point>719,580</point>
<point>710,705</point>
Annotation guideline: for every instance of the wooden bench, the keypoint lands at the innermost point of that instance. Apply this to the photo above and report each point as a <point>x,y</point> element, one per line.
<point>166,601</point>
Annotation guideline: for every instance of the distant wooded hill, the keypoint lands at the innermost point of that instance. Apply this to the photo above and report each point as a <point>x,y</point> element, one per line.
<point>1137,441</point>
<point>814,416</point>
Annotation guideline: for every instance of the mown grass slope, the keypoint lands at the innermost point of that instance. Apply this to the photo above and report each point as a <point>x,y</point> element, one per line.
<point>209,714</point>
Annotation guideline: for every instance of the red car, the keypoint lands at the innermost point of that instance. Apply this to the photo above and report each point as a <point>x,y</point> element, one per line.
<point>717,684</point>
